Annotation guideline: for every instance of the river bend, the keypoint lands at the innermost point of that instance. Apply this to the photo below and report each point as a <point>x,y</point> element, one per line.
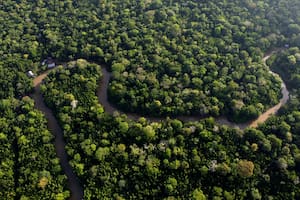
<point>109,108</point>
<point>53,125</point>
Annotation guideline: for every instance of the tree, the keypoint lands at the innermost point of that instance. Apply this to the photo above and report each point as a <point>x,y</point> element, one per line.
<point>149,132</point>
<point>245,168</point>
<point>198,195</point>
<point>101,153</point>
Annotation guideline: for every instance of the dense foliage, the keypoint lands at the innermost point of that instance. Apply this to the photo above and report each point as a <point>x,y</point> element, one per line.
<point>13,80</point>
<point>287,64</point>
<point>168,57</point>
<point>29,168</point>
<point>193,58</point>
<point>116,157</point>
<point>78,77</point>
<point>171,57</point>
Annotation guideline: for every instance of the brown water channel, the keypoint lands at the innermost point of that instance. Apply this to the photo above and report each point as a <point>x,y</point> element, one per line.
<point>109,108</point>
<point>285,96</point>
<point>73,183</point>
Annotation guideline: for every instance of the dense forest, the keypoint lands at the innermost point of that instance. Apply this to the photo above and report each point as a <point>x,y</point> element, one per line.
<point>167,59</point>
<point>29,167</point>
<point>120,158</point>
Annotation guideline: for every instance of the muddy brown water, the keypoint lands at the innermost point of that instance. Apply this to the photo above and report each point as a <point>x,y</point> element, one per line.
<point>73,182</point>
<point>284,91</point>
<point>53,125</point>
<point>109,108</point>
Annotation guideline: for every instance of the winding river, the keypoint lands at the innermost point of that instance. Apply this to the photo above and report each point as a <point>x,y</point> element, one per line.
<point>284,91</point>
<point>73,182</point>
<point>53,125</point>
<point>109,108</point>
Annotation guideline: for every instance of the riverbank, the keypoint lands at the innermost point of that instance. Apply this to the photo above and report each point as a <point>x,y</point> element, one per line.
<point>73,182</point>
<point>111,109</point>
<point>53,125</point>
